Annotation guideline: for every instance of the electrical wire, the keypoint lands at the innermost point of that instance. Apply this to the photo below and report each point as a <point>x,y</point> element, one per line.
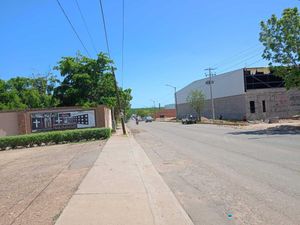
<point>123,40</point>
<point>73,28</point>
<point>86,26</point>
<point>255,62</point>
<point>104,26</point>
<point>239,54</point>
<point>240,62</point>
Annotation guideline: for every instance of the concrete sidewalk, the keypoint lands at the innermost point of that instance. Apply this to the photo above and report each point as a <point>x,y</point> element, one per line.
<point>123,188</point>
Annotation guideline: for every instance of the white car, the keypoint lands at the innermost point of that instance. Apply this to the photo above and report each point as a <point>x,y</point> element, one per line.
<point>148,119</point>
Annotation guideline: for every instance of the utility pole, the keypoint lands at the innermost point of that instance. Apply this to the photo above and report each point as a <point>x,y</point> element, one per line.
<point>210,82</point>
<point>153,103</point>
<point>175,95</point>
<point>154,108</point>
<point>118,100</point>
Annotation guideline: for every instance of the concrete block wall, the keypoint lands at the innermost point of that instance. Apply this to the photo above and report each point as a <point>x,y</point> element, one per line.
<point>279,103</point>
<point>232,108</point>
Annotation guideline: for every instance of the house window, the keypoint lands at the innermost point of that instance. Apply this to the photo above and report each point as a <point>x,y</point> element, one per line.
<point>252,106</point>
<point>264,105</point>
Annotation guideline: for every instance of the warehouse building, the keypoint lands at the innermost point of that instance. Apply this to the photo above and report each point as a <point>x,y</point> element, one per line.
<point>248,93</point>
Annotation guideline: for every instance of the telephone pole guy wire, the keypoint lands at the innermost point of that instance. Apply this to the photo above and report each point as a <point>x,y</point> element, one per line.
<point>73,28</point>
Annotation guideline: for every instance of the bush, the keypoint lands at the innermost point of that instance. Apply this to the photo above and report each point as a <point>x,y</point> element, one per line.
<point>54,137</point>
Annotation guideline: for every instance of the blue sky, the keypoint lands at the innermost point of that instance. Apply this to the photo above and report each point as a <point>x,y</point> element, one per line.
<point>165,41</point>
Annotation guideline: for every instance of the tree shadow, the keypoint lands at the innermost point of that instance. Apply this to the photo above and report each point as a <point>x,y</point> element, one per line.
<point>278,130</point>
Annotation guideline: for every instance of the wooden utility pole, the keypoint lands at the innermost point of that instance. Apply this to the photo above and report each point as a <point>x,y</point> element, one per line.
<point>210,82</point>
<point>121,114</point>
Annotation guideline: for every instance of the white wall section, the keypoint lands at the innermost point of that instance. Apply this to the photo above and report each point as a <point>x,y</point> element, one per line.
<point>226,84</point>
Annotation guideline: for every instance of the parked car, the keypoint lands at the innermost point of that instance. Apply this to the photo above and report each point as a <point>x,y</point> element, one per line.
<point>189,119</point>
<point>148,119</point>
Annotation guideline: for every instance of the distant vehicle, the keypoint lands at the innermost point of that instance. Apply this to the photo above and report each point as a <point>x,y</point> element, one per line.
<point>188,119</point>
<point>148,119</point>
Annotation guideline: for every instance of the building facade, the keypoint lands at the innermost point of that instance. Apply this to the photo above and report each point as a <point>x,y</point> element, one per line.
<point>60,118</point>
<point>248,93</point>
<point>165,114</point>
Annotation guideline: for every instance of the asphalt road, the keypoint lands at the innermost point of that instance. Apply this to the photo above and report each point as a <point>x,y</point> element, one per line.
<point>224,175</point>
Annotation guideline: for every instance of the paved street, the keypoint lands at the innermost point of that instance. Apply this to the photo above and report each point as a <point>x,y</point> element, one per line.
<point>224,175</point>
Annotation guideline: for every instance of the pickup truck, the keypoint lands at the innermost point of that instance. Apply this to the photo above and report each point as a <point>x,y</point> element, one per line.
<point>188,119</point>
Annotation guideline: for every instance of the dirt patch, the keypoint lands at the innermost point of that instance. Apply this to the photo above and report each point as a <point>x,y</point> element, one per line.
<point>276,130</point>
<point>36,184</point>
<point>282,123</point>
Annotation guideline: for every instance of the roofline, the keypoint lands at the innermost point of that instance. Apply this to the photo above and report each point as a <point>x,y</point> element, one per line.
<point>221,74</point>
<point>207,78</point>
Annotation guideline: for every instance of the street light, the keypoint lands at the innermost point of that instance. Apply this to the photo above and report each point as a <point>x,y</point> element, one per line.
<point>154,110</point>
<point>175,95</point>
<point>153,102</point>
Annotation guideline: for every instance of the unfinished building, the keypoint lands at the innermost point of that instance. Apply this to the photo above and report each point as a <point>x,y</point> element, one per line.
<point>248,93</point>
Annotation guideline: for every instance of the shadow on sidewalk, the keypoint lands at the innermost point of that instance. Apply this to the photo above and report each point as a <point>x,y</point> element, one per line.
<point>278,130</point>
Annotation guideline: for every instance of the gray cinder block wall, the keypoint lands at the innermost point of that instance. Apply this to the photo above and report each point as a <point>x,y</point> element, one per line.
<point>233,91</point>
<point>279,103</point>
<point>231,108</point>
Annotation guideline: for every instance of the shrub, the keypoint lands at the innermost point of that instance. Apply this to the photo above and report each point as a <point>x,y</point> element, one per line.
<point>54,137</point>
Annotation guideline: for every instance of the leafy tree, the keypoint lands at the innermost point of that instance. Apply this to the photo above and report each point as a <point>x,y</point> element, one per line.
<point>142,112</point>
<point>86,82</point>
<point>23,92</point>
<point>125,98</point>
<point>196,100</point>
<point>89,82</point>
<point>281,39</point>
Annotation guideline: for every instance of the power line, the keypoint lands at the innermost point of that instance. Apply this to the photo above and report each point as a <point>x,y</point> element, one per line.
<point>123,39</point>
<point>255,62</point>
<point>104,26</point>
<point>240,62</point>
<point>86,26</point>
<point>239,54</point>
<point>113,72</point>
<point>73,28</point>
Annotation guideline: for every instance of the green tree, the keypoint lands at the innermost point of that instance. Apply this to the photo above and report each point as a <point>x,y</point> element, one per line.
<point>86,82</point>
<point>89,82</point>
<point>196,100</point>
<point>281,39</point>
<point>125,98</point>
<point>23,92</point>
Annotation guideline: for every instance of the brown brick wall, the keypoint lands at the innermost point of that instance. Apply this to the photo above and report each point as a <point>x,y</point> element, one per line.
<point>166,113</point>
